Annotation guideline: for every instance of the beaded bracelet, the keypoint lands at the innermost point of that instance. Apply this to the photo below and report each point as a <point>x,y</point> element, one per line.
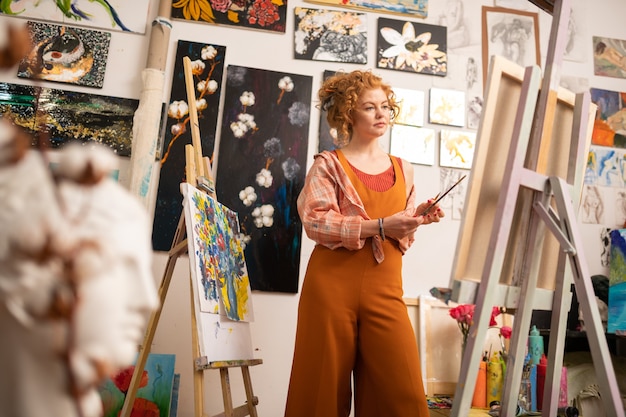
<point>381,229</point>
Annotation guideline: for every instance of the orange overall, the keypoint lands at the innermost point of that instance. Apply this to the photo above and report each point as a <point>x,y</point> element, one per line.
<point>352,319</point>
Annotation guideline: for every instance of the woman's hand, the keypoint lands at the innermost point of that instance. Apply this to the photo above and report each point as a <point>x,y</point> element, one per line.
<point>430,213</point>
<point>401,225</point>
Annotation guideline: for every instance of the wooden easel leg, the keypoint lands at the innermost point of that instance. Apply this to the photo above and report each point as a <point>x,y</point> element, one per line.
<point>252,400</point>
<point>226,395</point>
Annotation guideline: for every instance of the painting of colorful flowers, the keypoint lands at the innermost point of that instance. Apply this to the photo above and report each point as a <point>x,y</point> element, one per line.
<point>207,62</point>
<point>267,15</point>
<point>261,167</point>
<point>327,35</point>
<point>66,54</point>
<point>118,15</point>
<point>412,47</point>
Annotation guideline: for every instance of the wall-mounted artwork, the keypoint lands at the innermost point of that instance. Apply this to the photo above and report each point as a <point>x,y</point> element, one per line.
<point>411,104</point>
<point>155,389</point>
<point>261,168</point>
<point>609,127</point>
<point>208,68</point>
<point>415,144</point>
<point>592,206</point>
<point>66,54</point>
<point>218,265</point>
<point>609,57</point>
<point>512,34</point>
<point>327,136</point>
<point>454,202</point>
<point>447,107</point>
<point>414,8</point>
<point>456,148</point>
<point>474,111</point>
<point>269,15</point>
<point>117,15</point>
<point>412,47</point>
<point>59,116</point>
<point>617,283</point>
<point>328,35</point>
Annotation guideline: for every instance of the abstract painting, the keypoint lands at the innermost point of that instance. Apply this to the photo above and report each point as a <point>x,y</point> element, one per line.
<point>261,168</point>
<point>328,35</point>
<point>59,116</point>
<point>605,167</point>
<point>269,15</point>
<point>412,47</point>
<point>456,148</point>
<point>609,126</point>
<point>154,395</point>
<point>609,57</point>
<point>415,144</point>
<point>447,107</point>
<point>66,54</point>
<point>118,15</point>
<point>216,255</point>
<point>617,283</point>
<point>414,8</point>
<point>411,104</point>
<point>207,67</point>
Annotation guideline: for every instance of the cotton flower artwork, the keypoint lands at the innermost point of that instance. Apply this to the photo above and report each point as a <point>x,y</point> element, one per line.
<point>412,47</point>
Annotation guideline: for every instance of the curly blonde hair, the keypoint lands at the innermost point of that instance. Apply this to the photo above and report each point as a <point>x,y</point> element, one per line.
<point>339,96</point>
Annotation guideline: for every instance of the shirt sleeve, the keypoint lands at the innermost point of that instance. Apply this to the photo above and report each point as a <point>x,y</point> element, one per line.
<point>325,212</point>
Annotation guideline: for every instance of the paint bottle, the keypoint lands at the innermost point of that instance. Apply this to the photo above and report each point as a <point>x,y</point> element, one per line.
<point>535,345</point>
<point>495,379</point>
<point>541,379</point>
<point>479,400</point>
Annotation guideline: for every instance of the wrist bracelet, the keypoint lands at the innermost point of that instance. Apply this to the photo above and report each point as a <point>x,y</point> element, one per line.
<point>381,229</point>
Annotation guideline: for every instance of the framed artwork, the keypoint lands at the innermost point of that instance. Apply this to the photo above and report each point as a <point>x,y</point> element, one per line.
<point>411,104</point>
<point>512,34</point>
<point>447,107</point>
<point>415,144</point>
<point>66,54</point>
<point>328,35</point>
<point>208,63</point>
<point>70,116</point>
<point>456,148</point>
<point>609,127</point>
<point>118,15</point>
<point>261,169</point>
<point>609,57</point>
<point>412,47</point>
<point>413,8</point>
<point>617,283</point>
<point>262,15</point>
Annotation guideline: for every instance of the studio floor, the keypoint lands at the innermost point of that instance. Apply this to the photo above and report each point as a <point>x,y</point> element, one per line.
<point>445,412</point>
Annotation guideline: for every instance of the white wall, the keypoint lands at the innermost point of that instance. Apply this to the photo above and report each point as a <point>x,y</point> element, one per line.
<point>428,262</point>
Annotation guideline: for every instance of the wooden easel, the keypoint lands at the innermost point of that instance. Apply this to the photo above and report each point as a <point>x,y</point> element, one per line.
<point>545,201</point>
<point>198,174</point>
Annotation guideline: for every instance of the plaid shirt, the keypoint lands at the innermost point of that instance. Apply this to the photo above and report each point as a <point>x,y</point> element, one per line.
<point>331,210</point>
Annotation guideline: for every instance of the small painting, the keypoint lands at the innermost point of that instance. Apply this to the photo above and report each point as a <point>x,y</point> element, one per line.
<point>412,47</point>
<point>457,148</point>
<point>411,104</point>
<point>118,15</point>
<point>414,144</point>
<point>268,15</point>
<point>609,57</point>
<point>414,8</point>
<point>261,169</point>
<point>66,54</point>
<point>609,126</point>
<point>512,34</point>
<point>154,395</point>
<point>327,35</point>
<point>447,107</point>
<point>617,283</point>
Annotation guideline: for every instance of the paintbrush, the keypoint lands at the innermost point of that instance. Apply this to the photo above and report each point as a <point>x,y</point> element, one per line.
<point>440,196</point>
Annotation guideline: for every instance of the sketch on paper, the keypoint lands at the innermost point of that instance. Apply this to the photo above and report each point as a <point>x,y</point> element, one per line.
<point>262,160</point>
<point>328,35</point>
<point>453,203</point>
<point>118,15</point>
<point>609,126</point>
<point>414,8</point>
<point>66,54</point>
<point>592,205</point>
<point>609,57</point>
<point>474,112</point>
<point>577,37</point>
<point>411,104</point>
<point>217,258</point>
<point>453,18</point>
<point>457,148</point>
<point>620,207</point>
<point>415,144</point>
<point>617,283</point>
<point>412,47</point>
<point>447,107</point>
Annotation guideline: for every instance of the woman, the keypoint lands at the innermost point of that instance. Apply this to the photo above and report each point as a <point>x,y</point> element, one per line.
<point>358,205</point>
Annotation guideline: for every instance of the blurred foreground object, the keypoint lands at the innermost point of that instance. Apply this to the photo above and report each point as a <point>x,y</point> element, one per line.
<point>15,44</point>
